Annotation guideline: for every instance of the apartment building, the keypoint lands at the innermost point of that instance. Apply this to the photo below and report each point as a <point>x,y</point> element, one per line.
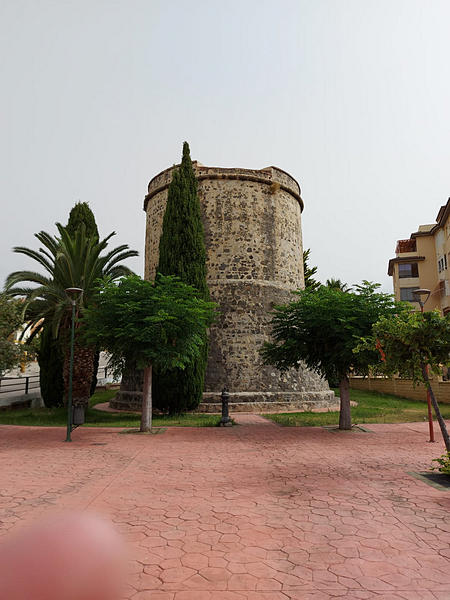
<point>423,262</point>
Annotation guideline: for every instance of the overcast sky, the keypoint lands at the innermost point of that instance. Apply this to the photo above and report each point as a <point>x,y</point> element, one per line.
<point>350,97</point>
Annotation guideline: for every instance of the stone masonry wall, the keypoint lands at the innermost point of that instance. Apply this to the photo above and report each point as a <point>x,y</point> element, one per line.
<point>252,221</point>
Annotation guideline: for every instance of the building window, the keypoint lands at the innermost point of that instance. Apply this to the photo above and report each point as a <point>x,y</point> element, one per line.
<point>408,270</point>
<point>442,263</point>
<point>407,294</point>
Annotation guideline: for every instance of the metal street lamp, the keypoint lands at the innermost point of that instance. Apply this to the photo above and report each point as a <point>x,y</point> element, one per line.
<point>419,293</point>
<point>426,294</point>
<point>73,295</point>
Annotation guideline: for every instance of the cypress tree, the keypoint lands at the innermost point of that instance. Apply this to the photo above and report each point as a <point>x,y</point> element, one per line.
<point>79,215</point>
<point>51,364</point>
<point>51,359</point>
<point>182,253</point>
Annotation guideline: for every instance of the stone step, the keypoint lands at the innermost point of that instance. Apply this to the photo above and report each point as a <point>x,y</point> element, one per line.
<point>266,407</point>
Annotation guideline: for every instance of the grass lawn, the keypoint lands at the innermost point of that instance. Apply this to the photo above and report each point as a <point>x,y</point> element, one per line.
<point>57,417</point>
<point>373,407</point>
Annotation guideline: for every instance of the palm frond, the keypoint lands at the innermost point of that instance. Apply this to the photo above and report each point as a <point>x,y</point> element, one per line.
<point>35,255</point>
<point>70,260</point>
<point>25,276</point>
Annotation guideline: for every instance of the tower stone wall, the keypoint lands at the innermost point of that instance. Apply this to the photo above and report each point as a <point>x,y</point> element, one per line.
<point>252,221</point>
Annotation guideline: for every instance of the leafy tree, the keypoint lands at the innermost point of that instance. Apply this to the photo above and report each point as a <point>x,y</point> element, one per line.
<point>69,261</point>
<point>309,272</point>
<point>408,342</point>
<point>160,325</point>
<point>322,328</point>
<point>182,253</point>
<point>337,284</point>
<point>11,353</point>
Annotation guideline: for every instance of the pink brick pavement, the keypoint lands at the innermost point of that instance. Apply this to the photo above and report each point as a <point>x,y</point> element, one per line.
<point>254,512</point>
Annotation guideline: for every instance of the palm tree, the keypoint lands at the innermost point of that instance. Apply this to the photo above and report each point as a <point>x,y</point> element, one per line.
<point>70,260</point>
<point>337,284</point>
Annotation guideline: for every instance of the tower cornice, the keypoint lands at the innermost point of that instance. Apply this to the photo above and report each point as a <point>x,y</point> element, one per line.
<point>269,176</point>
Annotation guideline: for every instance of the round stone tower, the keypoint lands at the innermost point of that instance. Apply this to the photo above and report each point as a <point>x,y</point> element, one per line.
<point>252,221</point>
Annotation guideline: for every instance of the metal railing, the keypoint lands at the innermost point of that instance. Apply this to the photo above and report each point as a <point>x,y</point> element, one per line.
<point>24,385</point>
<point>29,383</point>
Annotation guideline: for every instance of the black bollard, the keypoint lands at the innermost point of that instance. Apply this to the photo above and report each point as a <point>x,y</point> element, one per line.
<point>78,416</point>
<point>225,421</point>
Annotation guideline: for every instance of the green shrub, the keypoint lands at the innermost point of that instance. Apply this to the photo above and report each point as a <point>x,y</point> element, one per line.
<point>444,462</point>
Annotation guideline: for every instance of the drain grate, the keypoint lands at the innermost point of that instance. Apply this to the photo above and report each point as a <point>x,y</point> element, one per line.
<point>99,444</point>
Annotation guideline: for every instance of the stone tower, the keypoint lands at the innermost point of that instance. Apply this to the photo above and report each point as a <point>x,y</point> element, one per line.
<point>252,221</point>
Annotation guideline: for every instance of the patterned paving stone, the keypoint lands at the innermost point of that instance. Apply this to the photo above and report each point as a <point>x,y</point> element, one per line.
<point>254,512</point>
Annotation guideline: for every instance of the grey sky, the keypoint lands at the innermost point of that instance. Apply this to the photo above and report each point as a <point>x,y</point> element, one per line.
<point>350,97</point>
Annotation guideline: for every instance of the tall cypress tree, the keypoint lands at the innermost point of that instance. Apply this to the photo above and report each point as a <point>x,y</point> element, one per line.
<point>182,252</point>
<point>50,355</point>
<point>51,365</point>
<point>80,215</point>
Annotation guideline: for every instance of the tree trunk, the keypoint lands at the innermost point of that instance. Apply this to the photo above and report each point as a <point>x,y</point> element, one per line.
<point>437,412</point>
<point>345,419</point>
<point>146,418</point>
<point>83,365</point>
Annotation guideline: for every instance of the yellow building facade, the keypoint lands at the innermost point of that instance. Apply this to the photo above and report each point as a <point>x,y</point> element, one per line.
<point>423,262</point>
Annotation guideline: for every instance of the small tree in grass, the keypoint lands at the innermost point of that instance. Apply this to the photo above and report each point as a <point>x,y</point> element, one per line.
<point>151,325</point>
<point>322,327</point>
<point>409,342</point>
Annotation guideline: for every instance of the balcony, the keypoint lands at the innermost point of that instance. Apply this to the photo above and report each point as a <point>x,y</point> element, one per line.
<point>406,246</point>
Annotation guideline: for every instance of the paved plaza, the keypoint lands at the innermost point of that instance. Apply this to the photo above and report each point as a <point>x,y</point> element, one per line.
<point>253,512</point>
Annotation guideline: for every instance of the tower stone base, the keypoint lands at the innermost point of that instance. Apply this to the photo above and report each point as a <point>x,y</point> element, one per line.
<point>127,400</point>
<point>271,403</point>
<point>253,402</point>
<point>129,397</point>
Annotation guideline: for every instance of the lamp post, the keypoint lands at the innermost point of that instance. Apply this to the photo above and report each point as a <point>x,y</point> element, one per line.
<point>426,293</point>
<point>73,295</point>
